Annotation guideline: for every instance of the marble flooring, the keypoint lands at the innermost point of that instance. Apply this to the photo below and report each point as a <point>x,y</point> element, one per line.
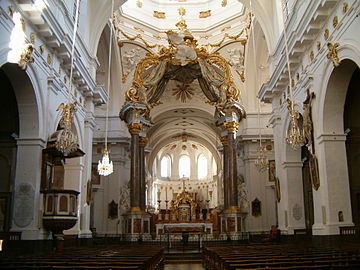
<point>184,266</point>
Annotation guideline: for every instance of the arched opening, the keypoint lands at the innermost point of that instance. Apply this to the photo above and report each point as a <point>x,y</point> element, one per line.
<point>184,166</point>
<point>9,131</point>
<point>333,165</point>
<point>165,165</point>
<point>352,129</point>
<point>202,167</point>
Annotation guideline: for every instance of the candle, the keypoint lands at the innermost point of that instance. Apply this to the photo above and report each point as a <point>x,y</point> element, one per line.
<point>166,194</point>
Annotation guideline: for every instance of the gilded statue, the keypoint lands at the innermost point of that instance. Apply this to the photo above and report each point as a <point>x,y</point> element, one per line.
<point>307,119</point>
<point>68,111</point>
<point>26,56</point>
<point>333,54</point>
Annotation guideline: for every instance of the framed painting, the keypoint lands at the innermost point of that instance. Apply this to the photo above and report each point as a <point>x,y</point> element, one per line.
<point>95,177</point>
<point>272,171</point>
<point>314,172</point>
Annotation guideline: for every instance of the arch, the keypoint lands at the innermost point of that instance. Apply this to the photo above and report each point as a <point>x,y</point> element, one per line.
<point>28,100</point>
<point>267,13</point>
<point>98,15</point>
<point>347,53</point>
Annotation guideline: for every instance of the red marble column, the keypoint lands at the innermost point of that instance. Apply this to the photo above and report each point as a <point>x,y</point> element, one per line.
<point>135,185</point>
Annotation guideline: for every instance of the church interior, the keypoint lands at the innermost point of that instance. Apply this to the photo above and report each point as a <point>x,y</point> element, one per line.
<point>160,134</point>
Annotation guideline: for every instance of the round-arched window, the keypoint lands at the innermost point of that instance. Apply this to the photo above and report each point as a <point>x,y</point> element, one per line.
<point>202,167</point>
<point>184,166</point>
<point>165,166</point>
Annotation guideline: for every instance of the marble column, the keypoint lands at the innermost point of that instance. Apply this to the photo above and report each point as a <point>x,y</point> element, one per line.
<point>224,141</point>
<point>142,143</point>
<point>232,168</point>
<point>135,183</point>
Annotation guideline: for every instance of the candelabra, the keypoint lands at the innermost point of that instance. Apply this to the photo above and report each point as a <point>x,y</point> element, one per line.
<point>172,212</point>
<point>200,213</point>
<point>207,210</point>
<point>159,214</point>
<point>166,210</point>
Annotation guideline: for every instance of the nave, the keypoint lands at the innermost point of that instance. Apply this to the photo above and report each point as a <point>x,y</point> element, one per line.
<point>300,252</point>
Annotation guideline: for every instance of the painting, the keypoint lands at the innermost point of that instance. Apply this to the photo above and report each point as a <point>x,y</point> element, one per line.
<point>89,192</point>
<point>95,177</point>
<point>314,172</point>
<point>113,210</point>
<point>272,171</point>
<point>256,207</point>
<point>277,189</point>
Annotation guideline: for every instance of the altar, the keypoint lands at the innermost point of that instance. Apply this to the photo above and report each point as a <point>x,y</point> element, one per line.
<point>179,228</point>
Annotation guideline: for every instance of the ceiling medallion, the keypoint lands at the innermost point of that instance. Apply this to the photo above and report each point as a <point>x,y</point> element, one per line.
<point>159,15</point>
<point>204,14</point>
<point>183,147</point>
<point>183,92</point>
<point>182,11</point>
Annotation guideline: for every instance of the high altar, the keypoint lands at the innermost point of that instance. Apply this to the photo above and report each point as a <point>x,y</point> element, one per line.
<point>185,215</point>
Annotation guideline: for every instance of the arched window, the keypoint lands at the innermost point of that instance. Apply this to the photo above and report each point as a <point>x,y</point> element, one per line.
<point>165,167</point>
<point>202,167</point>
<point>184,166</point>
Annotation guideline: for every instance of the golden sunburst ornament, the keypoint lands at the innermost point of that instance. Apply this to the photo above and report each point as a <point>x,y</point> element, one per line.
<point>183,92</point>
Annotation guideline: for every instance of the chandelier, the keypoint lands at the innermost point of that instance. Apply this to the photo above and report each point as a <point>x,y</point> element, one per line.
<point>294,136</point>
<point>261,161</point>
<point>105,166</point>
<point>68,142</point>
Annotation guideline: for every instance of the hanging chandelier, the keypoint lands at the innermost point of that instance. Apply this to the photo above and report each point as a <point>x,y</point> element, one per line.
<point>68,141</point>
<point>261,161</point>
<point>105,166</point>
<point>294,136</point>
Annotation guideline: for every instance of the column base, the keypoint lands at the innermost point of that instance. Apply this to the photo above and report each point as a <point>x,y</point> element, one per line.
<point>137,222</point>
<point>232,221</point>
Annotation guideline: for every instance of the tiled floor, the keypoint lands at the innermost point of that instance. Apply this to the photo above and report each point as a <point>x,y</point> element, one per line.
<point>183,267</point>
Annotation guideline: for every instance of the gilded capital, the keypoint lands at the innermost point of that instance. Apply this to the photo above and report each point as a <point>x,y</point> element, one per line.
<point>143,141</point>
<point>224,140</point>
<point>135,128</point>
<point>231,126</point>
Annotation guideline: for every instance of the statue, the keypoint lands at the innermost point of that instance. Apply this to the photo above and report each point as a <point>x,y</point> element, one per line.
<point>307,121</point>
<point>26,56</point>
<point>242,195</point>
<point>184,43</point>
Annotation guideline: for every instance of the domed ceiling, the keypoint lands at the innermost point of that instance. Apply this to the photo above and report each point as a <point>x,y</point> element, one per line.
<point>201,15</point>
